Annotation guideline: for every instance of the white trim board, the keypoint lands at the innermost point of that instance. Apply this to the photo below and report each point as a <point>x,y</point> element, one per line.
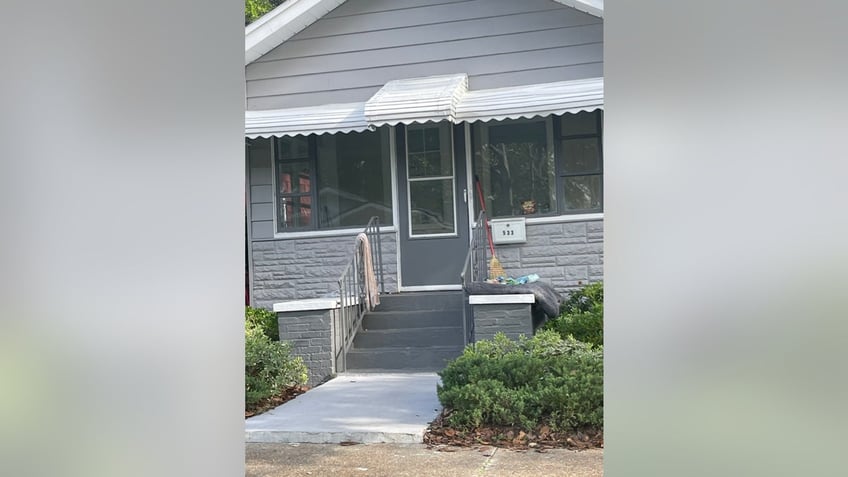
<point>312,304</point>
<point>507,299</point>
<point>418,288</point>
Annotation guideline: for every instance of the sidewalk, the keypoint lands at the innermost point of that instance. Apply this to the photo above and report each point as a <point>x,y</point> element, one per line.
<point>398,460</point>
<point>364,408</point>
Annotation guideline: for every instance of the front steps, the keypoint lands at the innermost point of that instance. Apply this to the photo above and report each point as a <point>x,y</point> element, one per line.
<point>409,332</point>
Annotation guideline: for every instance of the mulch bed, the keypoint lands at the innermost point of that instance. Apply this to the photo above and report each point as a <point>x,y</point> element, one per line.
<point>440,436</point>
<point>270,403</point>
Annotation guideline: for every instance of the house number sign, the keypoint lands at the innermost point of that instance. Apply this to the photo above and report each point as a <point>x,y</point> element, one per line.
<point>508,230</point>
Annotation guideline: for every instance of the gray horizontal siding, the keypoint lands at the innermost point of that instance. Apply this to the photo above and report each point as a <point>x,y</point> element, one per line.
<point>429,34</point>
<point>350,53</point>
<point>383,15</point>
<point>429,52</point>
<point>261,191</point>
<point>480,65</point>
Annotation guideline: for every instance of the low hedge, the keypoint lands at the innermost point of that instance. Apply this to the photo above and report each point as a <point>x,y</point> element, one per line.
<point>269,367</point>
<point>526,383</point>
<point>265,319</point>
<point>582,315</point>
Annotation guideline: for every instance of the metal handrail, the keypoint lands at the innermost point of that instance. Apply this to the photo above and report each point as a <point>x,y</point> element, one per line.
<point>352,292</point>
<point>475,269</point>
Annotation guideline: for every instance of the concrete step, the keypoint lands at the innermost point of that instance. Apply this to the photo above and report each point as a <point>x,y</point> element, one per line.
<point>432,358</point>
<point>382,320</point>
<point>412,337</point>
<point>446,300</point>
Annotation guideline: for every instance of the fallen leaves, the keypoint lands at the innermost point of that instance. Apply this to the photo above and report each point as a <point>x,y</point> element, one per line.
<point>267,404</point>
<point>442,437</point>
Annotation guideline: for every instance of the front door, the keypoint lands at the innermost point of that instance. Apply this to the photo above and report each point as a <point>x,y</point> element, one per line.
<point>433,225</point>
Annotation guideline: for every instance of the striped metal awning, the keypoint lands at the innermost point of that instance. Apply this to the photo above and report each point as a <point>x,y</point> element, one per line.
<point>530,101</point>
<point>331,118</point>
<point>419,100</point>
<point>435,98</point>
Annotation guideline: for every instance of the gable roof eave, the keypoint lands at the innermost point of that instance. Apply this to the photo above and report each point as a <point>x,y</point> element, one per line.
<point>592,7</point>
<point>282,23</point>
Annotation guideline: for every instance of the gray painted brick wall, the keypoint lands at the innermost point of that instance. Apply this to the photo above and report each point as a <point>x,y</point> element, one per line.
<point>566,255</point>
<point>310,334</point>
<point>296,269</point>
<point>513,320</point>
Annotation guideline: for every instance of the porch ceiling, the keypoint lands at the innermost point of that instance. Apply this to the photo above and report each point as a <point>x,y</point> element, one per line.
<point>436,98</point>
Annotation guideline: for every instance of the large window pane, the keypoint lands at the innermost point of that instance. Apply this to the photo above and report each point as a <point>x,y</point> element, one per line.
<point>431,206</point>
<point>582,192</point>
<point>581,155</point>
<point>294,147</point>
<point>295,212</point>
<point>294,177</point>
<point>354,179</point>
<point>515,168</point>
<point>583,122</point>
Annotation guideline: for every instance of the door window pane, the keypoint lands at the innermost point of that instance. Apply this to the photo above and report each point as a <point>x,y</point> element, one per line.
<point>582,192</point>
<point>581,155</point>
<point>429,151</point>
<point>431,206</point>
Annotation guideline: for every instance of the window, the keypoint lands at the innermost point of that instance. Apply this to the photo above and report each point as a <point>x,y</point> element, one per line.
<point>333,181</point>
<point>540,167</point>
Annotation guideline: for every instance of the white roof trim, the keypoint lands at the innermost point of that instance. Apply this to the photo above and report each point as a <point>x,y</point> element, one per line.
<point>531,100</point>
<point>592,7</point>
<point>432,98</point>
<point>330,118</point>
<point>282,23</point>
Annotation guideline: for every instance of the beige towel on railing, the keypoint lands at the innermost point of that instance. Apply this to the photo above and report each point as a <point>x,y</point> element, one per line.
<point>372,294</point>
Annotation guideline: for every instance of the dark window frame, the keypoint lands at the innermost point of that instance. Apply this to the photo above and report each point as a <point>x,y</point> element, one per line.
<point>560,161</point>
<point>559,164</point>
<point>315,180</point>
<point>312,159</point>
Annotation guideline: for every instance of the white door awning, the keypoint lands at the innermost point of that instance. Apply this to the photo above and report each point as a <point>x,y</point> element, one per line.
<point>532,100</point>
<point>434,98</point>
<point>330,118</point>
<point>416,100</point>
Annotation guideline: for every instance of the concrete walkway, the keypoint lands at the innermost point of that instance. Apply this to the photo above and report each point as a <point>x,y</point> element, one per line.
<point>398,460</point>
<point>365,408</point>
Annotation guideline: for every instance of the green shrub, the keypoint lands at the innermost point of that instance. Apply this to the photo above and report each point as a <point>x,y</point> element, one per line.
<point>269,366</point>
<point>265,319</point>
<point>542,380</point>
<point>582,315</point>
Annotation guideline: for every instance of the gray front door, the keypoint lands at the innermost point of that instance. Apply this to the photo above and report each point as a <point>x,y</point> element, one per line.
<point>433,223</point>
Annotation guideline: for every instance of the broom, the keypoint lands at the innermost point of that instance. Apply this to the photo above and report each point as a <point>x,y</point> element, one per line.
<point>495,268</point>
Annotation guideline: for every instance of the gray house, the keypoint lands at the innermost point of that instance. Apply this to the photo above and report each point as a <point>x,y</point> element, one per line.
<point>415,112</point>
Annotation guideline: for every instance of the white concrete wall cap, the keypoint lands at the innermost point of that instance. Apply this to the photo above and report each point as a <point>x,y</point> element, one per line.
<point>508,299</point>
